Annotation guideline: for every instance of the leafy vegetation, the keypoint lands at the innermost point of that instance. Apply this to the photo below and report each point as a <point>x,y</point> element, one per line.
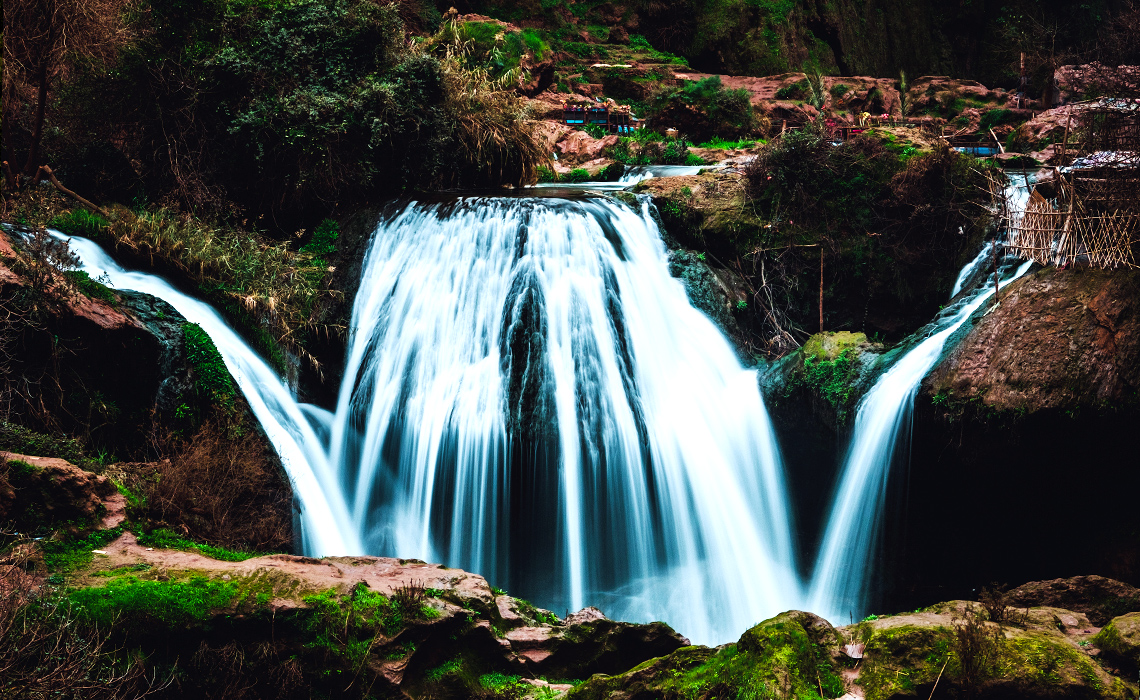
<point>704,109</point>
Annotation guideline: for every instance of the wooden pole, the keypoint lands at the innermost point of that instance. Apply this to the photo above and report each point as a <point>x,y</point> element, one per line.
<point>821,289</point>
<point>997,284</point>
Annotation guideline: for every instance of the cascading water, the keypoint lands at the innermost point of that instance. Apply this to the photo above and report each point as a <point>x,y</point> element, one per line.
<point>529,394</point>
<point>325,517</point>
<point>840,582</point>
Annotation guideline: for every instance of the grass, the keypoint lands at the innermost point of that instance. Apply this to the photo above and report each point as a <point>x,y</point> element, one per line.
<point>719,143</point>
<point>79,222</point>
<point>70,552</point>
<point>160,538</point>
<point>276,286</point>
<point>346,627</point>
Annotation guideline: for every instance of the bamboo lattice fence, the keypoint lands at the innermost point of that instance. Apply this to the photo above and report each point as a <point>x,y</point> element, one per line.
<point>1091,215</point>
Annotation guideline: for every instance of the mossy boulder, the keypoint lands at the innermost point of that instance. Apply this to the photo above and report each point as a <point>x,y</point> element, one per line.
<point>1120,641</point>
<point>787,656</point>
<point>1035,656</point>
<point>831,372</point>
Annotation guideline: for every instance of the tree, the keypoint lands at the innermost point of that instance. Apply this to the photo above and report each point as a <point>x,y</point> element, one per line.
<point>42,40</point>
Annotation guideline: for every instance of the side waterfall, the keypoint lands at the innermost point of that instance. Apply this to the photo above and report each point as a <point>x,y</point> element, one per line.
<point>324,515</point>
<point>529,394</point>
<point>840,583</point>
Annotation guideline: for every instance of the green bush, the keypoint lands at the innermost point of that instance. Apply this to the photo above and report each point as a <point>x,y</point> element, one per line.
<point>576,175</point>
<point>995,117</point>
<point>288,106</point>
<point>796,91</point>
<point>704,109</point>
<point>21,440</point>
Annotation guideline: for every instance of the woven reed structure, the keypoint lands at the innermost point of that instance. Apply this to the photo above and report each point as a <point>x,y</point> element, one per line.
<point>1088,213</point>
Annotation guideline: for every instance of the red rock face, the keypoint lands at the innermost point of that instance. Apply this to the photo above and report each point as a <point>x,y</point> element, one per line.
<point>1060,339</point>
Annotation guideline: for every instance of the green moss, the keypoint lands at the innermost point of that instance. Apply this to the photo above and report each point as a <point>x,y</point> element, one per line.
<point>777,658</point>
<point>346,626</point>
<point>145,605</point>
<point>210,373</point>
<point>165,539</point>
<point>898,659</point>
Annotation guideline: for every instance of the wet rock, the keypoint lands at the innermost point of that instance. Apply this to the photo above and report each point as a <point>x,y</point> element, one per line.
<point>1060,339</point>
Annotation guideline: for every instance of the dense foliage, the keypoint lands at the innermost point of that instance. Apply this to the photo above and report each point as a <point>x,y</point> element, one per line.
<point>705,109</point>
<point>286,109</point>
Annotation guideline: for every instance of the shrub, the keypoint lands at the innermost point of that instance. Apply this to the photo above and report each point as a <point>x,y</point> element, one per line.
<point>838,91</point>
<point>576,175</point>
<point>796,91</point>
<point>48,649</point>
<point>995,117</point>
<point>704,108</point>
<point>596,130</point>
<point>223,489</point>
<point>284,107</point>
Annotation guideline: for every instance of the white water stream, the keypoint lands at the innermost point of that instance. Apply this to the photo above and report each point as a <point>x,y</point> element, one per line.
<point>840,583</point>
<point>529,394</point>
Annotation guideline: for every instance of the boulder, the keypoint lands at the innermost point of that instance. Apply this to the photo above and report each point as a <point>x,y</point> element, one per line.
<point>105,364</point>
<point>1120,641</point>
<point>587,643</point>
<point>1098,597</point>
<point>1060,339</point>
<point>45,492</point>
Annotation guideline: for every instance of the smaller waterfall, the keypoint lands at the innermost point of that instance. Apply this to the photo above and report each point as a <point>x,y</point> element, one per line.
<point>288,425</point>
<point>637,173</point>
<point>840,583</point>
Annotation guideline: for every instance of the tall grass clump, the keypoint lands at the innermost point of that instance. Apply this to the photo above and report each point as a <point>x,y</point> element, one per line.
<point>279,287</point>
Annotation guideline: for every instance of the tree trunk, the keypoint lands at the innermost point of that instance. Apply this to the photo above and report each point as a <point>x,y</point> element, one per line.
<point>38,125</point>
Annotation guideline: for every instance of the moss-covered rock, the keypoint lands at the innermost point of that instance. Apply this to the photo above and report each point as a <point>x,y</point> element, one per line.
<point>830,373</point>
<point>1120,641</point>
<point>786,656</point>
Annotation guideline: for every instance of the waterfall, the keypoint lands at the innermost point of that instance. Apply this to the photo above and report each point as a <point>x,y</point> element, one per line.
<point>528,394</point>
<point>324,515</point>
<point>840,582</point>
